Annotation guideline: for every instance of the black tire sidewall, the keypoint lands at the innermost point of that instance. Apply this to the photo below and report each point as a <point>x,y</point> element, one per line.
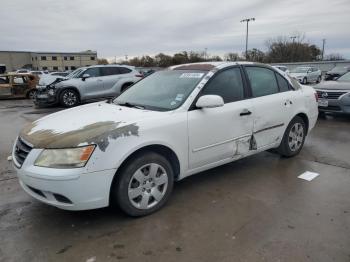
<point>119,190</point>
<point>62,101</point>
<point>284,148</point>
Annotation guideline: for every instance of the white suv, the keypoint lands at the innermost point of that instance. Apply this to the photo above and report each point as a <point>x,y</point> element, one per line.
<point>168,126</point>
<point>87,83</point>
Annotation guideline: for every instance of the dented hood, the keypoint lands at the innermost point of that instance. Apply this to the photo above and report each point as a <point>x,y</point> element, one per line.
<point>333,85</point>
<point>95,123</point>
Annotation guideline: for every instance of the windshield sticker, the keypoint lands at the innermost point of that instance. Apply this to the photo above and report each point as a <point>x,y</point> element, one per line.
<point>179,97</point>
<point>173,103</point>
<point>192,75</point>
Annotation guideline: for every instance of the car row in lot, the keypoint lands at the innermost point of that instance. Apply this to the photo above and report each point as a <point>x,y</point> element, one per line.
<point>306,74</point>
<point>168,126</point>
<point>334,96</point>
<point>18,86</point>
<point>87,83</point>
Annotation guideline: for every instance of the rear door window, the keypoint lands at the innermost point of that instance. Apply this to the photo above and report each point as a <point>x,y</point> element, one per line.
<point>109,70</point>
<point>124,70</point>
<point>262,81</point>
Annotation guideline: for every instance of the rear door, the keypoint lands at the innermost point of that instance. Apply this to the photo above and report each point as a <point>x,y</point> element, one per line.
<point>92,87</point>
<point>272,108</point>
<point>5,87</point>
<point>20,85</point>
<point>217,134</point>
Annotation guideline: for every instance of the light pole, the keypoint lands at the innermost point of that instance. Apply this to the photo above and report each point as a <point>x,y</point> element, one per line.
<point>246,38</point>
<point>323,43</point>
<point>293,39</point>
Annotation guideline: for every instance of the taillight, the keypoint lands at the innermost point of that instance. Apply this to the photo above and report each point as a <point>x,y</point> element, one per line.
<point>316,96</point>
<point>139,75</point>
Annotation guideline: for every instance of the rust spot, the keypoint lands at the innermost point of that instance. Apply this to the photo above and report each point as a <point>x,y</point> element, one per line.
<point>205,67</point>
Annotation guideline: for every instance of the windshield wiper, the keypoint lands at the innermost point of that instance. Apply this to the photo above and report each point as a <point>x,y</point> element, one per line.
<point>127,104</point>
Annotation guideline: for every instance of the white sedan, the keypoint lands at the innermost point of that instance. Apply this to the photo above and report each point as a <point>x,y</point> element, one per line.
<point>168,126</point>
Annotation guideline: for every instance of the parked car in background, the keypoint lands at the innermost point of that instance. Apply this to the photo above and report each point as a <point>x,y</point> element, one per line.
<point>22,71</point>
<point>88,83</point>
<point>282,68</point>
<point>334,96</point>
<point>167,126</point>
<point>336,72</point>
<point>2,68</point>
<point>18,86</point>
<point>306,74</point>
<point>38,73</point>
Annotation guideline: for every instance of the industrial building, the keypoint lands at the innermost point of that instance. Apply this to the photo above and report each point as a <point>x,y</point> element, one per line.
<point>55,61</point>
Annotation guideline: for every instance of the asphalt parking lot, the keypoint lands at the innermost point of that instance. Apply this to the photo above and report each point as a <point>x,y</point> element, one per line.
<point>255,209</point>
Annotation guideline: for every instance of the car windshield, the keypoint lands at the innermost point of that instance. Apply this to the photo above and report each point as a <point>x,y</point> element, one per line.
<point>75,73</point>
<point>300,70</point>
<point>344,78</point>
<point>338,69</point>
<point>161,91</point>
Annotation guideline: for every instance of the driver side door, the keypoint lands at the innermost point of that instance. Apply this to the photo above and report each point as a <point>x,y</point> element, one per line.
<point>220,134</point>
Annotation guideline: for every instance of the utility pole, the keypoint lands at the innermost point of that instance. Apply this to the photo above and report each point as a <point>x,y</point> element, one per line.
<point>126,57</point>
<point>247,20</point>
<point>323,43</point>
<point>205,53</point>
<point>293,40</point>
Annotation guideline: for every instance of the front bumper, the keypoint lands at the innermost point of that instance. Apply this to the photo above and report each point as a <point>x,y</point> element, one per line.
<point>44,98</point>
<point>70,189</point>
<point>340,105</point>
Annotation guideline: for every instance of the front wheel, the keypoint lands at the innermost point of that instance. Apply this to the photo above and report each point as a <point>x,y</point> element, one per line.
<point>318,79</point>
<point>31,94</point>
<point>69,98</point>
<point>144,185</point>
<point>304,81</point>
<point>293,138</point>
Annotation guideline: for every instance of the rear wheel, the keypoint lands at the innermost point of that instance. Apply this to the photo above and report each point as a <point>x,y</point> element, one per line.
<point>293,138</point>
<point>304,80</point>
<point>144,185</point>
<point>318,79</point>
<point>125,87</point>
<point>31,94</point>
<point>69,98</point>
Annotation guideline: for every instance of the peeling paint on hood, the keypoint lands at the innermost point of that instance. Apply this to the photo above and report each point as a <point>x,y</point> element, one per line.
<point>97,123</point>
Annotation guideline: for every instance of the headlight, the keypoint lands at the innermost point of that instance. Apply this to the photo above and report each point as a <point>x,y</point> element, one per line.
<point>65,158</point>
<point>51,91</point>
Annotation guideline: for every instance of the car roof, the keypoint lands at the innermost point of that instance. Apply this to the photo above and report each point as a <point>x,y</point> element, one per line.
<point>207,66</point>
<point>114,65</point>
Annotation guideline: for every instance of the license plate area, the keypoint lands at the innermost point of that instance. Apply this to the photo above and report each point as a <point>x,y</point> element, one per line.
<point>323,103</point>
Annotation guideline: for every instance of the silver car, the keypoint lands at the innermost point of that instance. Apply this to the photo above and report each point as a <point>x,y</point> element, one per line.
<point>87,83</point>
<point>306,74</point>
<point>334,96</point>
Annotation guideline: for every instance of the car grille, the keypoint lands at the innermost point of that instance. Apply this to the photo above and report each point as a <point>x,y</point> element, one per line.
<point>22,150</point>
<point>330,94</point>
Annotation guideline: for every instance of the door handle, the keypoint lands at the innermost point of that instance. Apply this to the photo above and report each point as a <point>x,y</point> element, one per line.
<point>245,112</point>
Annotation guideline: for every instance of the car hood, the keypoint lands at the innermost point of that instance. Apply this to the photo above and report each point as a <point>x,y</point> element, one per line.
<point>47,80</point>
<point>95,123</point>
<point>333,85</point>
<point>296,75</point>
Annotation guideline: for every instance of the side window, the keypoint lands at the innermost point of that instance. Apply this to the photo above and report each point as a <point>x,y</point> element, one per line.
<point>227,84</point>
<point>18,80</point>
<point>93,72</point>
<point>262,81</point>
<point>282,83</point>
<point>108,71</point>
<point>124,70</point>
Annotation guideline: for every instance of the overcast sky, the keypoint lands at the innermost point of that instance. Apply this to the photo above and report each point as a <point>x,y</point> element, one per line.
<point>137,27</point>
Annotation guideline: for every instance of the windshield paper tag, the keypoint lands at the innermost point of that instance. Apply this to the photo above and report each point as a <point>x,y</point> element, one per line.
<point>192,75</point>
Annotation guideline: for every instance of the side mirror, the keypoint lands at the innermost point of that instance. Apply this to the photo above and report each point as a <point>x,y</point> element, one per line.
<point>85,76</point>
<point>210,101</point>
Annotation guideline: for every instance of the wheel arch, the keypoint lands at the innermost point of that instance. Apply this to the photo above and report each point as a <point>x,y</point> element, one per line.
<point>125,86</point>
<point>305,118</point>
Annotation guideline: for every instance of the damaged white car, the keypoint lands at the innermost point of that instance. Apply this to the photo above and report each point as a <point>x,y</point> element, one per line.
<point>168,126</point>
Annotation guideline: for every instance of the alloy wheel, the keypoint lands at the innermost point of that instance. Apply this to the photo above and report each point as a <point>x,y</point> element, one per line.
<point>296,137</point>
<point>148,186</point>
<point>69,98</point>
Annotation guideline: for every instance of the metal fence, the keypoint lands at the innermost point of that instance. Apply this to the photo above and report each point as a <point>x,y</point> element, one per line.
<point>324,66</point>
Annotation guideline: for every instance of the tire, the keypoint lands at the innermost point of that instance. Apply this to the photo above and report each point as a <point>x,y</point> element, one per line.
<point>143,185</point>
<point>304,81</point>
<point>31,94</point>
<point>293,138</point>
<point>69,98</point>
<point>318,79</point>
